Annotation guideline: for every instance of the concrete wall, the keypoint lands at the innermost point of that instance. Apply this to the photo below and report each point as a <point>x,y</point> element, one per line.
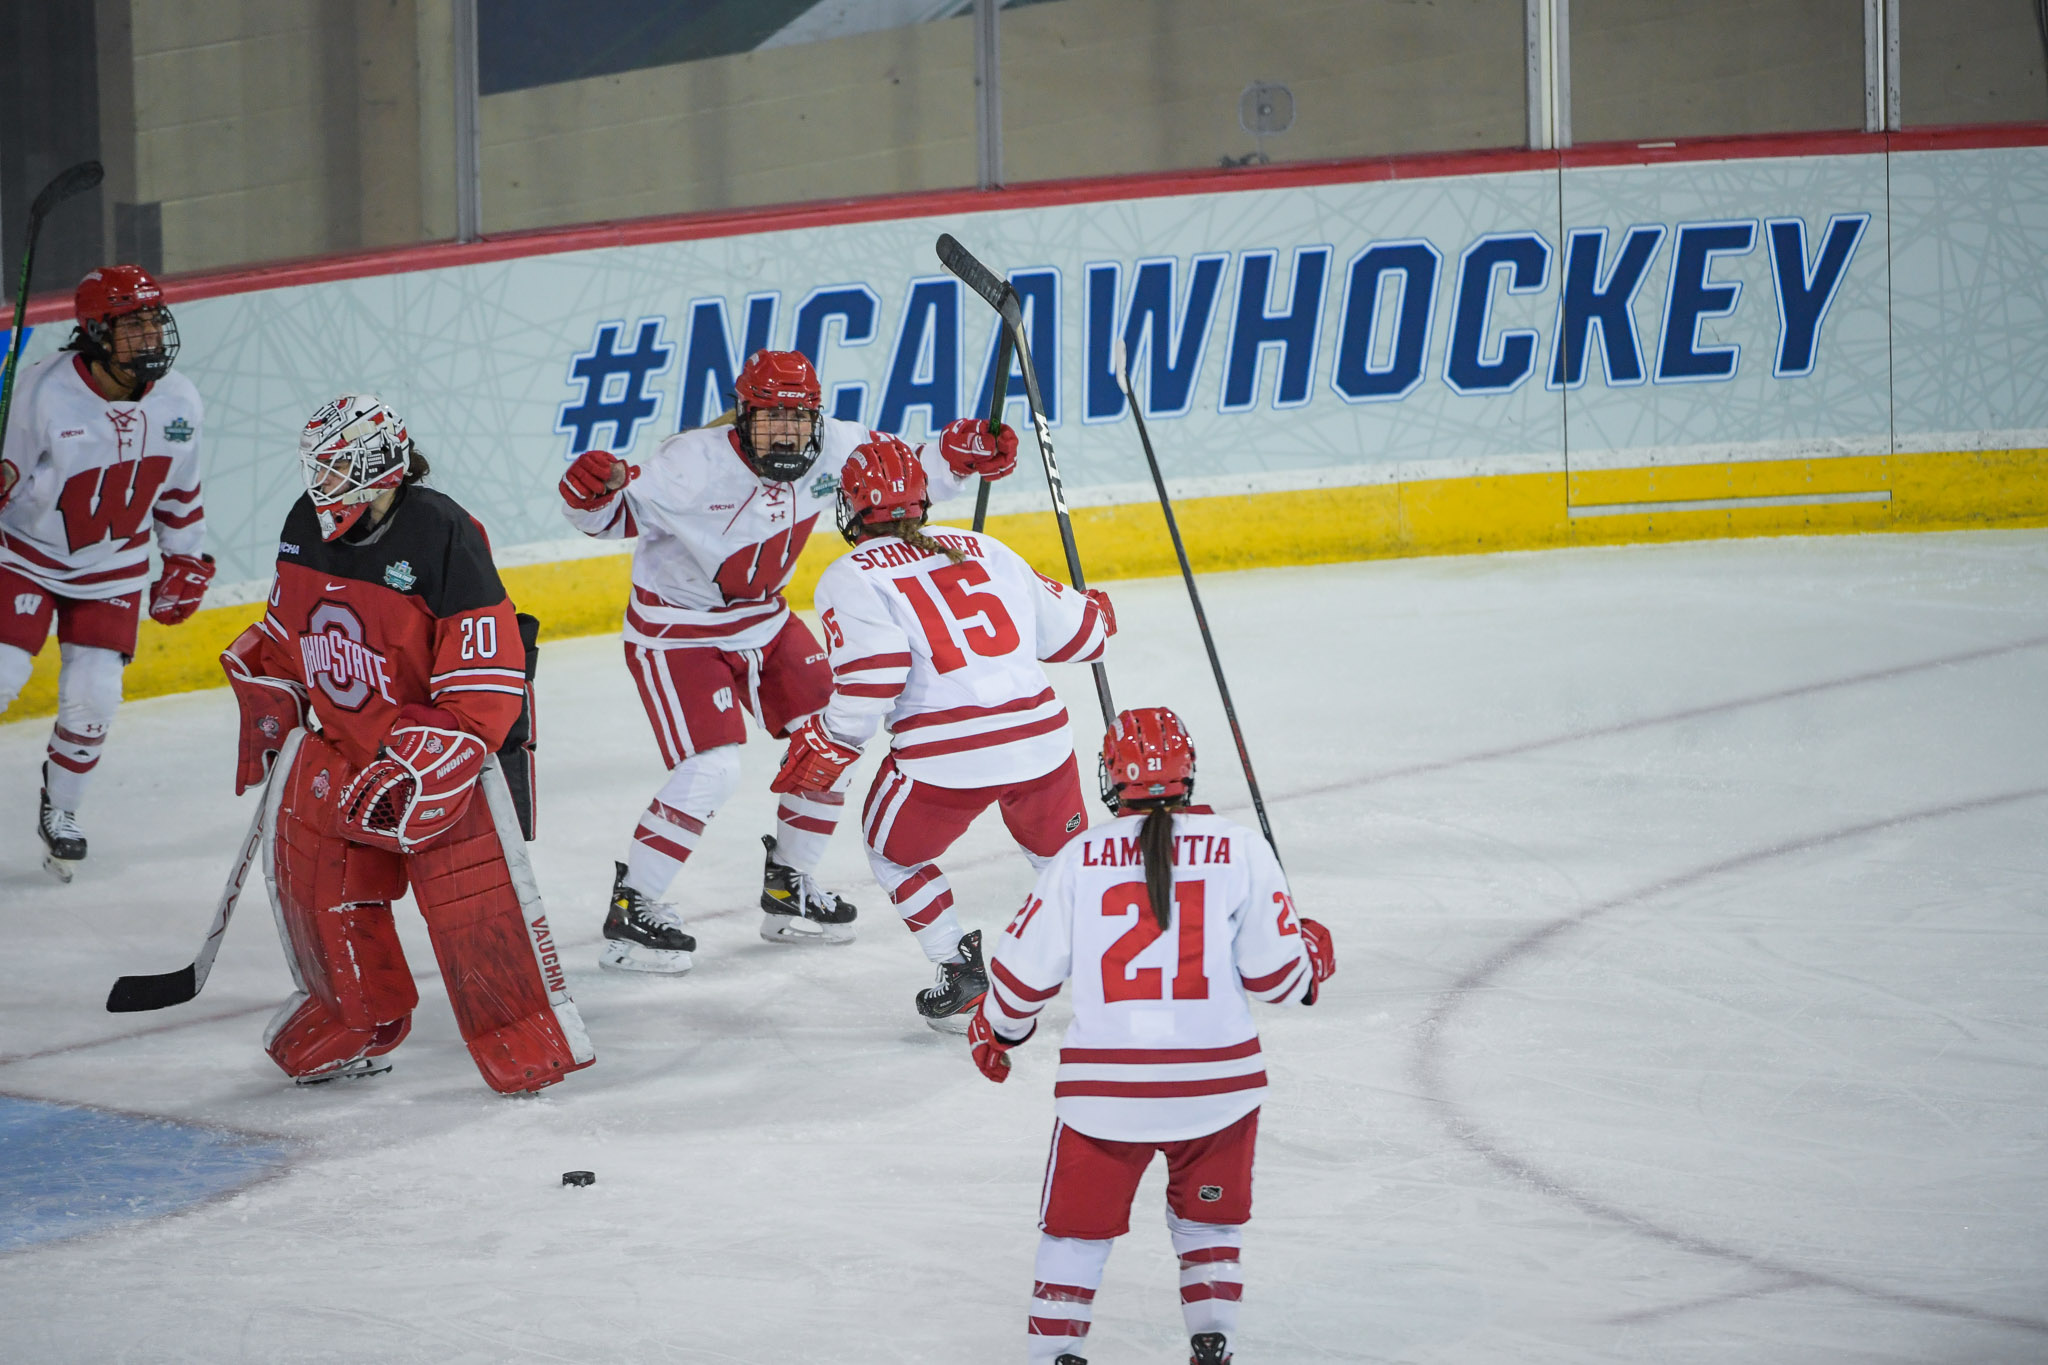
<point>1970,61</point>
<point>1707,68</point>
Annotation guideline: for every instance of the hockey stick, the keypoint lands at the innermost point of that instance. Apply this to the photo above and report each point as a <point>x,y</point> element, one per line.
<point>77,180</point>
<point>1187,573</point>
<point>1003,299</point>
<point>135,993</point>
<point>997,396</point>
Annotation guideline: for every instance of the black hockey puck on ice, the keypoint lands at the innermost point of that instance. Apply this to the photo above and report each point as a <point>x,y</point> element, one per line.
<point>579,1177</point>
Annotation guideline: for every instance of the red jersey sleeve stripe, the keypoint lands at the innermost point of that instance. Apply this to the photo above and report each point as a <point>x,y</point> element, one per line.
<point>1018,988</point>
<point>1161,1090</point>
<point>1090,619</point>
<point>1259,985</point>
<point>873,661</point>
<point>179,520</point>
<point>1158,1056</point>
<point>1009,1006</point>
<point>884,691</point>
<point>178,494</point>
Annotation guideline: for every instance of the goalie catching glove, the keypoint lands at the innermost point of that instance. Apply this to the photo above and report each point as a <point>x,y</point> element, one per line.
<point>970,448</point>
<point>177,591</point>
<point>814,761</point>
<point>416,788</point>
<point>991,1049</point>
<point>596,475</point>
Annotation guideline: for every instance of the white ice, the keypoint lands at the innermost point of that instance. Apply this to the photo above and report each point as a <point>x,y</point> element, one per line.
<point>1691,905</point>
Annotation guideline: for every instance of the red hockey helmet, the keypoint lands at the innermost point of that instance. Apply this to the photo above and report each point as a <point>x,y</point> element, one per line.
<point>1147,757</point>
<point>779,381</point>
<point>118,291</point>
<point>881,482</point>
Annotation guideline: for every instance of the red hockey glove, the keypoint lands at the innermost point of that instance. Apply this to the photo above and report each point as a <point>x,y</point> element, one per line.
<point>175,594</point>
<point>271,708</point>
<point>1322,956</point>
<point>9,476</point>
<point>970,449</point>
<point>1102,603</point>
<point>991,1048</point>
<point>814,760</point>
<point>596,475</point>
<point>418,787</point>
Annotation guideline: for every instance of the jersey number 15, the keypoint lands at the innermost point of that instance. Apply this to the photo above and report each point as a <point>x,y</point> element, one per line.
<point>971,609</point>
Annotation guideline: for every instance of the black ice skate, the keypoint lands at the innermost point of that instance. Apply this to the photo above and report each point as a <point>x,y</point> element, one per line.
<point>63,840</point>
<point>1069,1358</point>
<point>641,935</point>
<point>949,1005</point>
<point>795,909</point>
<point>354,1069</point>
<point>1209,1349</point>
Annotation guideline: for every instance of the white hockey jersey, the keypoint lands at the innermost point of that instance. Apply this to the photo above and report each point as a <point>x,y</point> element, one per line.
<point>95,474</point>
<point>950,653</point>
<point>717,542</point>
<point>1162,1046</point>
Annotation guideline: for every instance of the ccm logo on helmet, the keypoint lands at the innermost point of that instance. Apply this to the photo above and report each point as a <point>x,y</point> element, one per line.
<point>338,662</point>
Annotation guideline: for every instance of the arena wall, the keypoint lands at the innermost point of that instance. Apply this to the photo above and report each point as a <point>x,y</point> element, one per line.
<point>1433,355</point>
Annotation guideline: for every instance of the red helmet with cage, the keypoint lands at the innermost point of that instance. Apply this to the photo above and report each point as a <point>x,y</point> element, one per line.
<point>882,481</point>
<point>1147,757</point>
<point>118,291</point>
<point>786,381</point>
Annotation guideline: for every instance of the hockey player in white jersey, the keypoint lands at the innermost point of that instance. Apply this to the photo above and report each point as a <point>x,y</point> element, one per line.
<point>102,446</point>
<point>942,635</point>
<point>721,514</point>
<point>1166,919</point>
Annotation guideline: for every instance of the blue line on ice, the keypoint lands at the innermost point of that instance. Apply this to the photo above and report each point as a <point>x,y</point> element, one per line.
<point>66,1171</point>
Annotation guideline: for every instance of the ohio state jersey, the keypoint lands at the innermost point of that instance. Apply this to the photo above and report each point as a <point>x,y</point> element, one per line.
<point>1162,1045</point>
<point>95,475</point>
<point>413,614</point>
<point>950,653</point>
<point>717,542</point>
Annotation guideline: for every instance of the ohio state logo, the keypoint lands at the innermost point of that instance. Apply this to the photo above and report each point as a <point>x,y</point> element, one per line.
<point>338,662</point>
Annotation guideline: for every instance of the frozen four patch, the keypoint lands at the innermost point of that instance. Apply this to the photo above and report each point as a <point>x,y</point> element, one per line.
<point>179,430</point>
<point>399,576</point>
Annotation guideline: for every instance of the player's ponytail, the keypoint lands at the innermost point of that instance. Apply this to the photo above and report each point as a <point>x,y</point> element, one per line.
<point>416,466</point>
<point>911,533</point>
<point>1155,842</point>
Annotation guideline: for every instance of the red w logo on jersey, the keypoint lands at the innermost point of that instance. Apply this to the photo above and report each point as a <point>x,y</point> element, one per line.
<point>111,501</point>
<point>755,574</point>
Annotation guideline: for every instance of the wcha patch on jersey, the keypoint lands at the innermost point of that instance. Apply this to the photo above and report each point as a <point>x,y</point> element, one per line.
<point>178,430</point>
<point>399,575</point>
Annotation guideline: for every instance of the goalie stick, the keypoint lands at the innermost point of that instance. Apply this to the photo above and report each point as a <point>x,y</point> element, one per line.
<point>1187,573</point>
<point>132,994</point>
<point>64,185</point>
<point>1003,299</point>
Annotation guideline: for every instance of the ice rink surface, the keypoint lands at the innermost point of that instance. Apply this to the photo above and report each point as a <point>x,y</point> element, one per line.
<point>1691,906</point>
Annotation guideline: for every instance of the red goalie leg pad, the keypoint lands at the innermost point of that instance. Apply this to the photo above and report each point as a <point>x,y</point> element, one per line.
<point>312,1039</point>
<point>498,955</point>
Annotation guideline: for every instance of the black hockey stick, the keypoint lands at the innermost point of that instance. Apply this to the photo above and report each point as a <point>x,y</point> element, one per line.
<point>132,994</point>
<point>75,181</point>
<point>1003,299</point>
<point>997,396</point>
<point>1187,573</point>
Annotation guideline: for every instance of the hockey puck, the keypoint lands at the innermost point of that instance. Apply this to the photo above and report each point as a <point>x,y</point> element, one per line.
<point>579,1177</point>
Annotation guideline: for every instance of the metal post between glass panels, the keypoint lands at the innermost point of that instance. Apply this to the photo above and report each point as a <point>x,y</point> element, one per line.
<point>988,104</point>
<point>469,194</point>
<point>1546,29</point>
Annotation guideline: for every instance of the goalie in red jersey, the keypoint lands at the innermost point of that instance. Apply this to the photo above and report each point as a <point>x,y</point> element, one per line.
<point>388,625</point>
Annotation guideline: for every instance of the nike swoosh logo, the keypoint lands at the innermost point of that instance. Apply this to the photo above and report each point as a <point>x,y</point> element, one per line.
<point>336,587</point>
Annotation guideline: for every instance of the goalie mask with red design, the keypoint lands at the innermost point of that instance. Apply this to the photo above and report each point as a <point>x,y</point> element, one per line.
<point>881,482</point>
<point>353,450</point>
<point>777,402</point>
<point>1147,758</point>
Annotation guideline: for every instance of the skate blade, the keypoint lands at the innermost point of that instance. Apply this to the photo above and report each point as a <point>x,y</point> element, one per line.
<point>637,957</point>
<point>954,1025</point>
<point>360,1069</point>
<point>62,869</point>
<point>776,928</point>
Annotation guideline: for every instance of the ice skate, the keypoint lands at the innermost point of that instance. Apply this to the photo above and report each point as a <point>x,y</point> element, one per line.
<point>949,1005</point>
<point>354,1069</point>
<point>795,909</point>
<point>1069,1358</point>
<point>63,840</point>
<point>1209,1349</point>
<point>641,935</point>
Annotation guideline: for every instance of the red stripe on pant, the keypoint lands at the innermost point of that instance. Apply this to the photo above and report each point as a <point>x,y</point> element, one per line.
<point>1057,1327</point>
<point>1222,1289</point>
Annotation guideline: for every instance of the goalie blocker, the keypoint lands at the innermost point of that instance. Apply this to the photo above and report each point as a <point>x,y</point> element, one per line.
<point>389,627</point>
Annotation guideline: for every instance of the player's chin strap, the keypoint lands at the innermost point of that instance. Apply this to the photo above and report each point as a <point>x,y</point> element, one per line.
<point>415,790</point>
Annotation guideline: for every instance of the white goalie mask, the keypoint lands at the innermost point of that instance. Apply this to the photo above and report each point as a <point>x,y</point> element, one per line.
<point>352,450</point>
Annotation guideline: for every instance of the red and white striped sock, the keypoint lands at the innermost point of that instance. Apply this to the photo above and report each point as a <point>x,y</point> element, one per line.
<point>1211,1280</point>
<point>1069,1271</point>
<point>667,834</point>
<point>73,754</point>
<point>803,826</point>
<point>924,898</point>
